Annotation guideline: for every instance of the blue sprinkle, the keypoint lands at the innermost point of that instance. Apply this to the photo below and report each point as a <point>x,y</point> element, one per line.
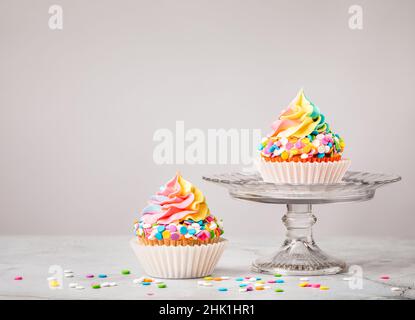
<point>145,283</point>
<point>202,227</point>
<point>279,281</point>
<point>200,222</point>
<point>243,285</point>
<point>314,133</point>
<point>159,236</point>
<point>258,279</point>
<point>192,231</point>
<point>102,275</point>
<point>183,230</point>
<point>272,148</point>
<point>160,228</point>
<point>330,144</point>
<point>320,155</point>
<point>239,279</point>
<point>222,289</point>
<point>260,147</point>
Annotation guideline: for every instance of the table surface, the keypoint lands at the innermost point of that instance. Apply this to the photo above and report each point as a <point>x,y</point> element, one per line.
<point>32,256</point>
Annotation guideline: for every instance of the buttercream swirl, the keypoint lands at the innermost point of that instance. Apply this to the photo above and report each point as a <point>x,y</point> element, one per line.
<point>300,119</point>
<point>301,133</point>
<point>176,201</point>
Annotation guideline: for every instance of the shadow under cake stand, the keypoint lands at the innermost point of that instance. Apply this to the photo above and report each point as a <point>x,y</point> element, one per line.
<point>299,254</point>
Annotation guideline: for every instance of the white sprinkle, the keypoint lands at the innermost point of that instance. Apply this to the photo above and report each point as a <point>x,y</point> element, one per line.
<point>73,285</point>
<point>138,280</point>
<point>68,275</point>
<point>113,284</point>
<point>51,279</point>
<point>67,271</point>
<point>253,279</point>
<point>225,278</point>
<point>396,289</point>
<point>267,287</point>
<point>205,283</point>
<point>284,141</point>
<point>79,287</point>
<point>347,279</point>
<point>304,279</point>
<point>304,156</point>
<point>242,290</point>
<point>105,284</point>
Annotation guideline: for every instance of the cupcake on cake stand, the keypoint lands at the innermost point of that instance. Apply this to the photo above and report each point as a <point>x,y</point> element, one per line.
<point>299,254</point>
<point>301,163</point>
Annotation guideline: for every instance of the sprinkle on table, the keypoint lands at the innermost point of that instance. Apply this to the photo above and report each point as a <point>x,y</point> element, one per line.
<point>96,286</point>
<point>222,289</point>
<point>324,288</point>
<point>162,285</point>
<point>18,278</point>
<point>125,271</point>
<point>279,290</point>
<point>385,277</point>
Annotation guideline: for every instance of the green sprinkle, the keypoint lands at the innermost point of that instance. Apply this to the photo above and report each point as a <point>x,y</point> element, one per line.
<point>277,275</point>
<point>125,271</point>
<point>96,286</point>
<point>162,285</point>
<point>279,290</point>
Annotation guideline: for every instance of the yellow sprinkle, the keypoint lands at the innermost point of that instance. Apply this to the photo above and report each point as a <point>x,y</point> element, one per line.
<point>305,141</point>
<point>306,149</point>
<point>54,283</point>
<point>260,281</point>
<point>304,284</point>
<point>293,152</point>
<point>284,155</point>
<point>260,288</point>
<point>166,234</point>
<point>207,278</point>
<point>324,288</point>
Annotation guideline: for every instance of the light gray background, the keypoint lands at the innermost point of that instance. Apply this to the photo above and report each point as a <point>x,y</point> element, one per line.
<point>79,106</point>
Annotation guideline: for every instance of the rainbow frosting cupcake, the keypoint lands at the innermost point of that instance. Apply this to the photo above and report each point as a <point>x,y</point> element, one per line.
<point>177,236</point>
<point>302,149</point>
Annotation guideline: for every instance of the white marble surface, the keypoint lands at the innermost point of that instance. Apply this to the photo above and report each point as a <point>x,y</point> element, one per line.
<point>31,258</point>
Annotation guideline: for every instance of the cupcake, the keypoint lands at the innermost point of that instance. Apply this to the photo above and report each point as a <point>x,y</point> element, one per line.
<point>177,236</point>
<point>302,148</point>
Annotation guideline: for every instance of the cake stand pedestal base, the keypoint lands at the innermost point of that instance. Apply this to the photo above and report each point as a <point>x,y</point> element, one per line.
<point>299,254</point>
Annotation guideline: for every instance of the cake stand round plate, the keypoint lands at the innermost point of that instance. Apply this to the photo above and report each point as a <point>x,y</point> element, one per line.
<point>299,254</point>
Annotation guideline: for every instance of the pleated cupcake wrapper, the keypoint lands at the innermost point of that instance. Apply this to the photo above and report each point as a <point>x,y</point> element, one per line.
<point>303,172</point>
<point>179,262</point>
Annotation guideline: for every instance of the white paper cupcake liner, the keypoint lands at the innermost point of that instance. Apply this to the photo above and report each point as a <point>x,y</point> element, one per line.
<point>303,172</point>
<point>179,262</point>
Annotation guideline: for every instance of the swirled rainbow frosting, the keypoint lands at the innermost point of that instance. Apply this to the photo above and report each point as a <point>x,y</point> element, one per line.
<point>178,211</point>
<point>301,133</point>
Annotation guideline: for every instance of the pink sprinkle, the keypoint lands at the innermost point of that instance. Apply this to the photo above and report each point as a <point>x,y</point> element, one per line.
<point>315,285</point>
<point>172,228</point>
<point>174,236</point>
<point>249,288</point>
<point>18,278</point>
<point>385,277</point>
<point>89,275</point>
<point>271,281</point>
<point>288,146</point>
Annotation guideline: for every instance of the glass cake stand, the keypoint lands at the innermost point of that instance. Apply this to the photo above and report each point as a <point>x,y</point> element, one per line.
<point>299,254</point>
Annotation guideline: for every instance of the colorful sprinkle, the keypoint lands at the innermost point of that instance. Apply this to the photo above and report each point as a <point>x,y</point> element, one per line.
<point>96,286</point>
<point>222,289</point>
<point>162,285</point>
<point>102,275</point>
<point>125,271</point>
<point>18,278</point>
